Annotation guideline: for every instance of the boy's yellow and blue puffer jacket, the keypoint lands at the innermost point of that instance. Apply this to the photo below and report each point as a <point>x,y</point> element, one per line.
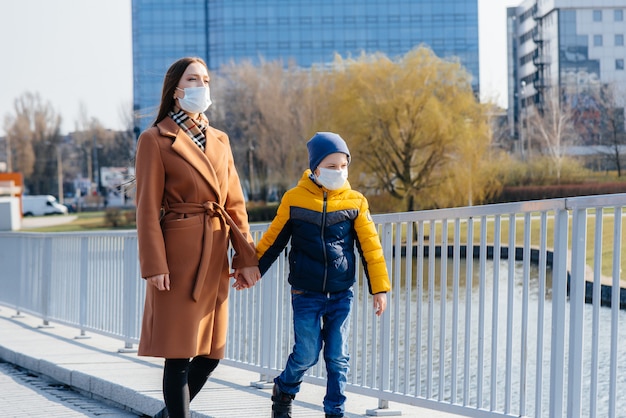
<point>324,226</point>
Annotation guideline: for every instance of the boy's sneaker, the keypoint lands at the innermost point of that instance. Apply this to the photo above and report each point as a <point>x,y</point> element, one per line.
<point>162,414</point>
<point>281,406</point>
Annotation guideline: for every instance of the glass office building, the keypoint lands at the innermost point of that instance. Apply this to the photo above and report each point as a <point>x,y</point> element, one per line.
<point>308,32</point>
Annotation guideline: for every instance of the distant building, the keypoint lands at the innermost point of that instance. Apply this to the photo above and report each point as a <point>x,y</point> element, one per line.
<point>575,46</point>
<point>308,32</point>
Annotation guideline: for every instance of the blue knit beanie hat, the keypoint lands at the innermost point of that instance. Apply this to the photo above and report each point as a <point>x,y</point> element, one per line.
<point>323,144</point>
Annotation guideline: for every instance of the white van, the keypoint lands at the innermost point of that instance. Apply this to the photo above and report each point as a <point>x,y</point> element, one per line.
<point>42,205</point>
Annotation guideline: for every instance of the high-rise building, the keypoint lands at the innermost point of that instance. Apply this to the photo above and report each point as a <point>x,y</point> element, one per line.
<point>569,45</point>
<point>308,32</point>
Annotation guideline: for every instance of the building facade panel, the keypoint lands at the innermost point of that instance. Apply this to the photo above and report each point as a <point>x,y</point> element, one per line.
<point>572,45</point>
<point>304,31</point>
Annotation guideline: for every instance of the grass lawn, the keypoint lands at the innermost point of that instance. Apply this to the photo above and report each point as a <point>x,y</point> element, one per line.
<point>85,221</point>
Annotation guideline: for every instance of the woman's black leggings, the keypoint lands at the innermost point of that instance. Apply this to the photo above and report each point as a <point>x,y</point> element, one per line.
<point>182,380</point>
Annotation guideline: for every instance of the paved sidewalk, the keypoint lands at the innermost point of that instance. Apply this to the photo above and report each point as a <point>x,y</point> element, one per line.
<point>27,395</point>
<point>94,367</point>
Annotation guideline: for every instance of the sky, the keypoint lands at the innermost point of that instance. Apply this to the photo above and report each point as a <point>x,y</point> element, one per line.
<point>77,56</point>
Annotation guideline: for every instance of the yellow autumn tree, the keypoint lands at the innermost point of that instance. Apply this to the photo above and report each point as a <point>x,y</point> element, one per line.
<point>414,127</point>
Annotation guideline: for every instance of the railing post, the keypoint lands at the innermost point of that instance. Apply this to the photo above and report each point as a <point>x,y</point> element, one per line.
<point>82,280</point>
<point>269,318</point>
<point>385,332</point>
<point>443,279</point>
<point>615,307</point>
<point>576,304</point>
<point>46,278</point>
<point>21,278</point>
<point>129,286</point>
<point>559,301</point>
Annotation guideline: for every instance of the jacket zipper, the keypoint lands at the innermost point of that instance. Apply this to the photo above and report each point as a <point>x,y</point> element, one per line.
<point>324,243</point>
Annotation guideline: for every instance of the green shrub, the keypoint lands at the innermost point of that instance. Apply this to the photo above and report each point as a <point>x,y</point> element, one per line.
<point>524,193</point>
<point>540,171</point>
<point>261,212</point>
<point>119,218</point>
<point>113,217</point>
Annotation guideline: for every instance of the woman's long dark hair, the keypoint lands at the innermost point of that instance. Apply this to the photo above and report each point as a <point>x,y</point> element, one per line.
<point>172,77</point>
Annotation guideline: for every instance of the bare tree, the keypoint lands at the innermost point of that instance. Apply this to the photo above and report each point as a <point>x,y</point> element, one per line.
<point>601,120</point>
<point>33,133</point>
<point>267,115</point>
<point>552,128</point>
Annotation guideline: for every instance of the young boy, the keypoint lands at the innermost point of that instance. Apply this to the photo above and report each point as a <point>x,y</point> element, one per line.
<point>323,217</point>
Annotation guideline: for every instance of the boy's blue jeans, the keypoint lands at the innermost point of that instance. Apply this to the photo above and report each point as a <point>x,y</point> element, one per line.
<point>317,318</point>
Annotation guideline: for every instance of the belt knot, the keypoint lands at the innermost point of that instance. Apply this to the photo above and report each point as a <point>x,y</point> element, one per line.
<point>209,208</point>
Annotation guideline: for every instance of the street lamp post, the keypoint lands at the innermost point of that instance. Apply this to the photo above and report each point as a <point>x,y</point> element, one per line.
<point>59,172</point>
<point>96,166</point>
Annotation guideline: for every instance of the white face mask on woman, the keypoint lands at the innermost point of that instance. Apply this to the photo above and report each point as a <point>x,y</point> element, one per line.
<point>332,179</point>
<point>196,100</point>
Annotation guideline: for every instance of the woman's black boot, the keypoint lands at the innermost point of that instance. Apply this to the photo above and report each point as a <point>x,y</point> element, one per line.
<point>281,403</point>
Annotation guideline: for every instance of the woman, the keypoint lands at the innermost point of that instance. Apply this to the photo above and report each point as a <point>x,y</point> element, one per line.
<point>189,204</point>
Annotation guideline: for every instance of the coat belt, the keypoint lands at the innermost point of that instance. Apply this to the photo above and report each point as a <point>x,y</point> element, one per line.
<point>209,210</point>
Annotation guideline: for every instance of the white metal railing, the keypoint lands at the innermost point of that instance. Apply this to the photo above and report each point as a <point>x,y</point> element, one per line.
<point>495,324</point>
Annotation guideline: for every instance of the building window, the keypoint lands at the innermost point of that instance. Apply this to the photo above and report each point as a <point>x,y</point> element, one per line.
<point>597,15</point>
<point>597,40</point>
<point>619,40</point>
<point>619,64</point>
<point>618,15</point>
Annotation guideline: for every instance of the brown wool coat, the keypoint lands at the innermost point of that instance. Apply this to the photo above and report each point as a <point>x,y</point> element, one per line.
<point>202,200</point>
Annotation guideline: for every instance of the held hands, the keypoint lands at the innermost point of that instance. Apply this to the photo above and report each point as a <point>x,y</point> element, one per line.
<point>160,281</point>
<point>380,303</point>
<point>246,277</point>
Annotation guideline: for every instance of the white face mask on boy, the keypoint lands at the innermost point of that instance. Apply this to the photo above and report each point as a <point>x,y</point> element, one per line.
<point>196,100</point>
<point>332,179</point>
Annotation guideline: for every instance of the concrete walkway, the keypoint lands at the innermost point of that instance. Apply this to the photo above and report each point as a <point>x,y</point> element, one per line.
<point>25,394</point>
<point>94,367</point>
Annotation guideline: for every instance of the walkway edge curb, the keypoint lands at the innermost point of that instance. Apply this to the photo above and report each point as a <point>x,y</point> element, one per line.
<point>88,385</point>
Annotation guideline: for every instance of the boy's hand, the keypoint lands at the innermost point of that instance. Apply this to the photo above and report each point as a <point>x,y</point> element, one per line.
<point>380,303</point>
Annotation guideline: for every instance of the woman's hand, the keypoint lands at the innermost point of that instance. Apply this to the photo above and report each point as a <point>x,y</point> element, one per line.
<point>160,281</point>
<point>246,277</point>
<point>380,303</point>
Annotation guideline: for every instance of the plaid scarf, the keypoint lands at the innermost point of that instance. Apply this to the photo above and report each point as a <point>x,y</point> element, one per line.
<point>192,127</point>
